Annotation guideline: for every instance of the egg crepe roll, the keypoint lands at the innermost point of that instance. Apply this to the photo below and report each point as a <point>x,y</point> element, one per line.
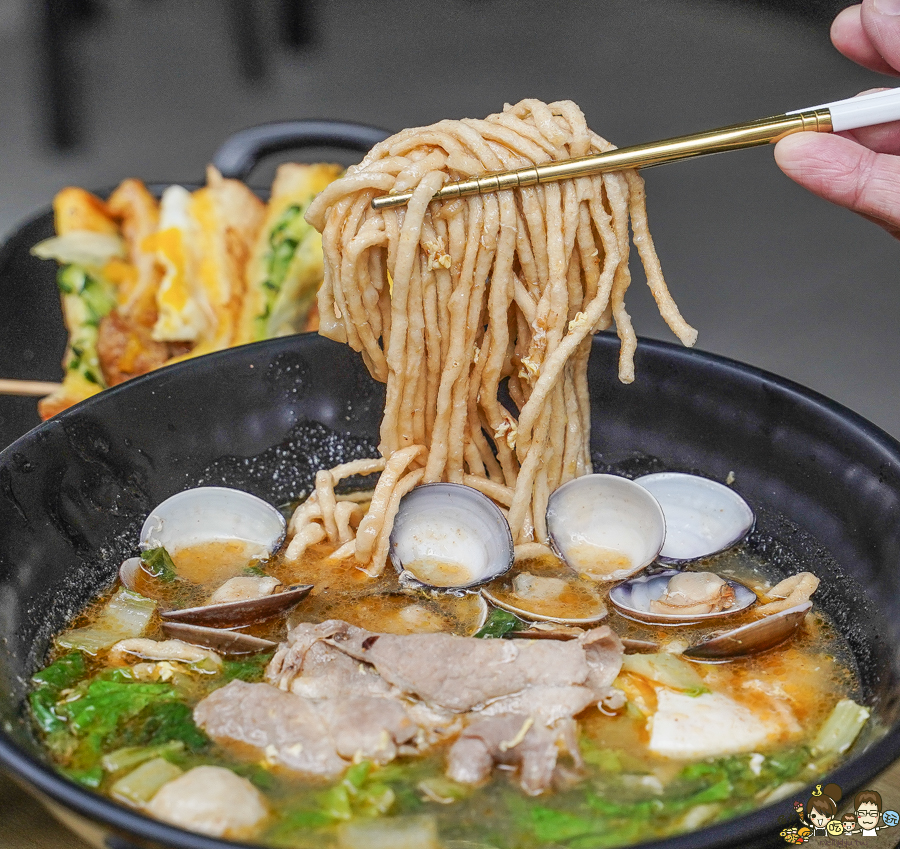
<point>125,345</point>
<point>92,254</point>
<point>203,244</point>
<point>137,212</point>
<point>286,266</point>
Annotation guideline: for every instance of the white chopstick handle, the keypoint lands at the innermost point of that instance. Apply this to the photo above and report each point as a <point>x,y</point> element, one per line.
<point>879,107</point>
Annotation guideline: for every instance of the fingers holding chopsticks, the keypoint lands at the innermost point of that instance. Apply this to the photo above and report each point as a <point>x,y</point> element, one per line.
<point>859,170</point>
<point>846,173</point>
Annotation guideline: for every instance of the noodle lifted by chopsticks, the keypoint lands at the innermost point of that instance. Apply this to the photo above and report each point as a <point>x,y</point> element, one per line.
<point>445,299</point>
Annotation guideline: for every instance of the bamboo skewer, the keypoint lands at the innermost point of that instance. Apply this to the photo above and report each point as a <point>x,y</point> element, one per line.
<point>31,388</point>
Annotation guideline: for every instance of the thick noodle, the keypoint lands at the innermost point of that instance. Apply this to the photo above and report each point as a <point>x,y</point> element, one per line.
<point>447,299</point>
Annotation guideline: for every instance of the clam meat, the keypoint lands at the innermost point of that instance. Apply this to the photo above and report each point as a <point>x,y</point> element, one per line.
<point>545,590</point>
<point>690,593</point>
<point>683,598</point>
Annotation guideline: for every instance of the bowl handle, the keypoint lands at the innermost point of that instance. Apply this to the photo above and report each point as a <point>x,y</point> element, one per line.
<point>240,153</point>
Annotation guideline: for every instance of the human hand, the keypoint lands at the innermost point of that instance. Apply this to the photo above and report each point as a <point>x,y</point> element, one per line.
<point>860,169</point>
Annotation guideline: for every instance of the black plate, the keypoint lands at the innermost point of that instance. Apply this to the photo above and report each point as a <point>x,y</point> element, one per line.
<point>73,494</point>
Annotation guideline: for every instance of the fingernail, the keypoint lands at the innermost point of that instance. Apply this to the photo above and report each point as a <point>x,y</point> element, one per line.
<point>888,7</point>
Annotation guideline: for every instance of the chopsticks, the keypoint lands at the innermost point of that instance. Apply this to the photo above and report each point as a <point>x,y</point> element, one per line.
<point>863,111</point>
<point>33,388</point>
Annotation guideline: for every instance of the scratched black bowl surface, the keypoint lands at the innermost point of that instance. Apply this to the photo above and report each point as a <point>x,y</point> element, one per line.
<point>74,492</point>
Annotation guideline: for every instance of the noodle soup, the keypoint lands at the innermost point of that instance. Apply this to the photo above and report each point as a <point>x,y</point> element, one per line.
<point>629,778</point>
<point>366,710</point>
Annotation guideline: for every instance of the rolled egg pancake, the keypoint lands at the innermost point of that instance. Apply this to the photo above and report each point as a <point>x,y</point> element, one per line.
<point>203,244</point>
<point>92,256</point>
<point>286,267</point>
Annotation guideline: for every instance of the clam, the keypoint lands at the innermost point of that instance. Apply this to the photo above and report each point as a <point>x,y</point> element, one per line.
<point>680,598</point>
<point>449,536</point>
<point>547,595</point>
<point>129,573</point>
<point>702,517</point>
<point>549,631</point>
<point>217,639</point>
<point>751,638</point>
<point>215,532</point>
<point>240,527</point>
<point>239,614</point>
<point>605,527</point>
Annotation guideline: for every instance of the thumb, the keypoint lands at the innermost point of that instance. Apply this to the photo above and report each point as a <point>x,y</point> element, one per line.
<point>845,173</point>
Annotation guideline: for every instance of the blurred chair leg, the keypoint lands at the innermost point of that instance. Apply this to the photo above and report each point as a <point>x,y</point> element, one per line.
<point>296,23</point>
<point>246,33</point>
<point>59,19</point>
<point>58,74</point>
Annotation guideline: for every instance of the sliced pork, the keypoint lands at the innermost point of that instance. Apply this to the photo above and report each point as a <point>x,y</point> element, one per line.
<point>338,693</point>
<point>511,740</point>
<point>279,727</point>
<point>464,674</point>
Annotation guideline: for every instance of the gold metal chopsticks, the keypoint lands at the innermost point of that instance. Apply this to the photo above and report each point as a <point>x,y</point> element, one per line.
<point>735,137</point>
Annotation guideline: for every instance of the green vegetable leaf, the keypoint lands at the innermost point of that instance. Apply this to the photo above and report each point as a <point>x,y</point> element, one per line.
<point>356,776</point>
<point>250,670</point>
<point>499,624</point>
<point>159,563</point>
<point>62,673</point>
<point>91,778</point>
<point>717,792</point>
<point>335,803</point>
<point>103,706</point>
<point>606,760</point>
<point>168,721</point>
<point>551,826</point>
<point>42,704</point>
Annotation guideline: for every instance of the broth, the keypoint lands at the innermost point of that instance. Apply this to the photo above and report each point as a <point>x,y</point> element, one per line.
<point>626,793</point>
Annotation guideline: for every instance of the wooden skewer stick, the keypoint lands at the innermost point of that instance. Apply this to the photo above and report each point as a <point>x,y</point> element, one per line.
<point>34,388</point>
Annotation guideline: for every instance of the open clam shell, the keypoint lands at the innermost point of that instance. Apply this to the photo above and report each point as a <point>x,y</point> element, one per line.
<point>238,614</point>
<point>449,536</point>
<point>703,517</point>
<point>752,638</point>
<point>210,514</point>
<point>562,618</point>
<point>632,598</point>
<point>605,526</point>
<point>546,590</point>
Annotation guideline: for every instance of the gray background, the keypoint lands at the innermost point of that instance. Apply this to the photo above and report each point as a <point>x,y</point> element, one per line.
<point>768,274</point>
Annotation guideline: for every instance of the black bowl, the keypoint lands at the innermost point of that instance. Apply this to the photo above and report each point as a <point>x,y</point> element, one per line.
<point>74,491</point>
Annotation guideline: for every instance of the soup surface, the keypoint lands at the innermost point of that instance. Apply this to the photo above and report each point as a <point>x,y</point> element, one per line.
<point>679,746</point>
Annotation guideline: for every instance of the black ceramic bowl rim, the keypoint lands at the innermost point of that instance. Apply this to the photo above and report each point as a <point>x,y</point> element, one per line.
<point>745,830</point>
